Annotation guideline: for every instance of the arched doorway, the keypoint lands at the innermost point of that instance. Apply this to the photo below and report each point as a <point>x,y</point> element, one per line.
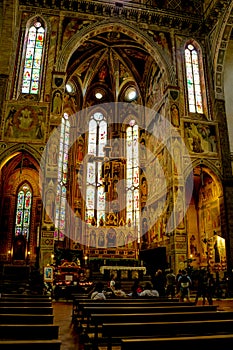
<point>205,221</point>
<point>21,208</point>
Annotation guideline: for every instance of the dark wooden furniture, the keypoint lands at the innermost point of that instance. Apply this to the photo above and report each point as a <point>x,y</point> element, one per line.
<point>213,342</point>
<point>113,332</point>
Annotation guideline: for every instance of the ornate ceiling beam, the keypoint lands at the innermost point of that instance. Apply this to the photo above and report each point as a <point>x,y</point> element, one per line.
<point>133,11</point>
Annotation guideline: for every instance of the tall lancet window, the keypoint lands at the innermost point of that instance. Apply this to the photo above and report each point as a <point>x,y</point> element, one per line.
<point>33,58</point>
<point>95,191</point>
<point>193,79</point>
<point>132,175</point>
<point>23,211</point>
<point>60,203</point>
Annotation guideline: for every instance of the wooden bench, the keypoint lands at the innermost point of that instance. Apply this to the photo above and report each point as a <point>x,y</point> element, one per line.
<point>28,331</point>
<point>25,303</point>
<point>108,309</point>
<point>79,302</point>
<point>26,319</point>
<point>16,295</point>
<point>113,332</point>
<point>54,344</point>
<point>116,303</point>
<point>26,310</point>
<point>36,300</point>
<point>213,342</point>
<point>97,320</point>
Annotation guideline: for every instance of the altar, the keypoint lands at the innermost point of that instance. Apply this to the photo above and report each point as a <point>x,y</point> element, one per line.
<point>123,272</point>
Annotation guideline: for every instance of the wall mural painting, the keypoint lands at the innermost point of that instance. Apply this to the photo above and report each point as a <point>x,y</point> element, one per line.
<point>117,237</point>
<point>155,85</point>
<point>57,102</point>
<point>200,137</point>
<point>25,122</point>
<point>71,26</point>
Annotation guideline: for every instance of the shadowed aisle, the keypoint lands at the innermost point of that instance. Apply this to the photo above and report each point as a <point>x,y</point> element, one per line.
<point>62,318</point>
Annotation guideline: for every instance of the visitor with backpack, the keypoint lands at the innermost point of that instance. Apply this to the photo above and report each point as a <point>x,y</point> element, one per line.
<point>184,283</point>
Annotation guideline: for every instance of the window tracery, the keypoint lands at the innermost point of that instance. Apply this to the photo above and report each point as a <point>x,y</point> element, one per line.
<point>193,79</point>
<point>32,68</point>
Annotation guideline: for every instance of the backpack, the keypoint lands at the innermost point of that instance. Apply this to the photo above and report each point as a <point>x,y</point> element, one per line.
<point>171,279</point>
<point>184,282</point>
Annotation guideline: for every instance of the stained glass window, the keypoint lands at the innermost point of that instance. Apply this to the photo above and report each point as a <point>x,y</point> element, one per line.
<point>23,211</point>
<point>95,195</point>
<point>60,202</point>
<point>33,59</point>
<point>132,175</point>
<point>193,79</point>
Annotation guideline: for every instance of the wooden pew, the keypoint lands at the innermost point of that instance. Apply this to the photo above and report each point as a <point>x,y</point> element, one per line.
<point>28,324</point>
<point>79,310</point>
<point>108,309</point>
<point>53,344</point>
<point>113,332</point>
<point>79,302</point>
<point>97,320</point>
<point>25,303</point>
<point>26,310</point>
<point>36,300</point>
<point>213,342</point>
<point>15,295</point>
<point>26,319</point>
<point>28,331</point>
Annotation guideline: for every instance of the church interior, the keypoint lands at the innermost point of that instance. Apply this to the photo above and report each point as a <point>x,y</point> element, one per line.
<point>116,136</point>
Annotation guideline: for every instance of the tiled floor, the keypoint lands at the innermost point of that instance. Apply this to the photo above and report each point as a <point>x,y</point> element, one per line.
<point>70,339</point>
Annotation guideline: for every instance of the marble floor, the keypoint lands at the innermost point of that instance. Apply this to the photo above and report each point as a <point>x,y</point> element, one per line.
<point>70,339</point>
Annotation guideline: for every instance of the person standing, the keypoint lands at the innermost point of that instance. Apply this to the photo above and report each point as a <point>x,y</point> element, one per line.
<point>170,284</point>
<point>210,288</point>
<point>179,274</point>
<point>184,283</point>
<point>159,282</point>
<point>112,282</point>
<point>201,286</point>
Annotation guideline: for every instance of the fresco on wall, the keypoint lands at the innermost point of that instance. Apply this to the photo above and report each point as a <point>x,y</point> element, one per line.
<point>71,26</point>
<point>200,137</point>
<point>163,39</point>
<point>25,122</point>
<point>117,237</point>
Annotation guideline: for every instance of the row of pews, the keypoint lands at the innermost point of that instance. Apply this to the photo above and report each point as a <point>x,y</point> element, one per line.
<point>27,322</point>
<point>146,323</point>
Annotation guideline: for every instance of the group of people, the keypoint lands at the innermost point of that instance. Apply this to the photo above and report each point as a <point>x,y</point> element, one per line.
<point>180,285</point>
<point>166,285</point>
<point>114,289</point>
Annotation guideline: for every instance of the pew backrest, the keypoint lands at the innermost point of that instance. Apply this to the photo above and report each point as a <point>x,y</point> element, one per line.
<point>54,344</point>
<point>99,319</point>
<point>28,331</point>
<point>25,303</point>
<point>26,310</point>
<point>113,332</point>
<point>26,319</point>
<point>213,342</point>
